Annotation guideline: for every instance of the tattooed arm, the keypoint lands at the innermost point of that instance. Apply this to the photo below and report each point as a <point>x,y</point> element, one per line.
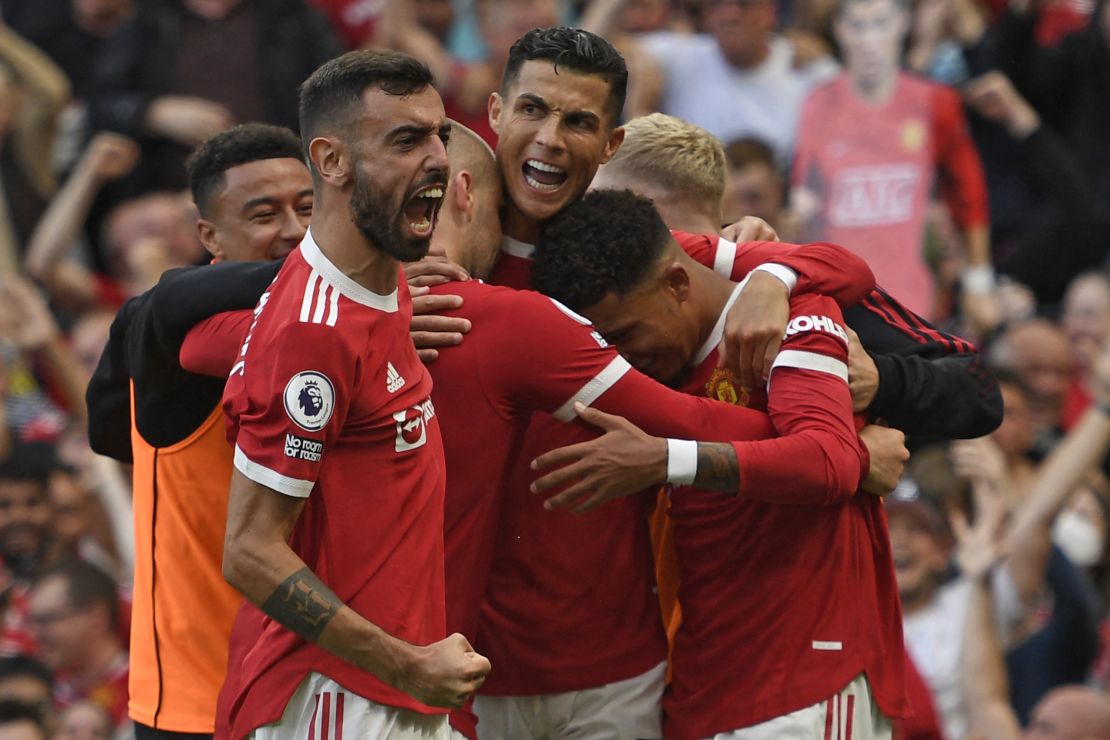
<point>259,563</point>
<point>719,469</point>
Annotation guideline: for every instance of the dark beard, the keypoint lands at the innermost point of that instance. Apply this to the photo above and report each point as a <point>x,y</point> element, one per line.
<point>24,564</point>
<point>370,214</point>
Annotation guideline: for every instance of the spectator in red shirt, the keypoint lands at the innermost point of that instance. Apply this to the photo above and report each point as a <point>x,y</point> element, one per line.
<point>871,144</point>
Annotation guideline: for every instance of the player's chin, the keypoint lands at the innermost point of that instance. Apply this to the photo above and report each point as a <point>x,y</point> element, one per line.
<point>540,205</point>
<point>412,249</point>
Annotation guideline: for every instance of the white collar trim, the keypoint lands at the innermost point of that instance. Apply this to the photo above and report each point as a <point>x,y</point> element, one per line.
<point>517,248</point>
<point>718,332</point>
<point>319,262</point>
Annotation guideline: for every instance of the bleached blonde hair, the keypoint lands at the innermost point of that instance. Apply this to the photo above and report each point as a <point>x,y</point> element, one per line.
<point>672,155</point>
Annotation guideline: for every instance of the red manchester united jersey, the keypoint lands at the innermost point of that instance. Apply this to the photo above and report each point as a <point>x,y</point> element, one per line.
<point>787,592</point>
<point>329,402</point>
<point>571,600</point>
<point>874,181</point>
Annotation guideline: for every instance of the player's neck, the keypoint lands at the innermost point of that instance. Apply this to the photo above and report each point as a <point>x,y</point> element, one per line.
<point>686,217</point>
<point>348,249</point>
<point>517,225</point>
<point>711,293</point>
<point>876,91</point>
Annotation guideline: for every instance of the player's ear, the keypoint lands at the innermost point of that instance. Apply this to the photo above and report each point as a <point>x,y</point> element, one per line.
<point>616,138</point>
<point>493,110</point>
<point>330,159</point>
<point>676,281</point>
<point>463,196</point>
<point>206,232</point>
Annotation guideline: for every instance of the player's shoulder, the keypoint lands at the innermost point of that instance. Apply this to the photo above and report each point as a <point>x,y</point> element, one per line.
<point>696,245</point>
<point>480,297</point>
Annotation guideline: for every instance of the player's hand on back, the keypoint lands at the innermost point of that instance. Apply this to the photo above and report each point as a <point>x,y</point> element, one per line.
<point>754,329</point>
<point>435,269</point>
<point>428,328</point>
<point>887,448</point>
<point>622,461</point>
<point>445,673</point>
<point>750,229</point>
<point>863,375</point>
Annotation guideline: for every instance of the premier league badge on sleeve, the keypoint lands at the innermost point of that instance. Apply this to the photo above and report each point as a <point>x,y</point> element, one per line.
<point>309,400</point>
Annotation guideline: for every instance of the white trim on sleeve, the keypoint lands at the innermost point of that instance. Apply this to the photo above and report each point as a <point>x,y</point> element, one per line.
<point>593,389</point>
<point>576,316</point>
<point>803,360</point>
<point>725,257</point>
<point>271,478</point>
<point>782,272</point>
<point>682,461</point>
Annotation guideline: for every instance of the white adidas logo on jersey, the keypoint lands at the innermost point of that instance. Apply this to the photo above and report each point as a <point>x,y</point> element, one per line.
<point>393,380</point>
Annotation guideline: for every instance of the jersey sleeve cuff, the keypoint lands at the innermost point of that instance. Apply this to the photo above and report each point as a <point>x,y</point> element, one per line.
<point>594,388</point>
<point>803,360</point>
<point>782,272</point>
<point>264,476</point>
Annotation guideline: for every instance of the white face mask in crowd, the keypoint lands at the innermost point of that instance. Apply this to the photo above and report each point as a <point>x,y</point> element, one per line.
<point>1078,537</point>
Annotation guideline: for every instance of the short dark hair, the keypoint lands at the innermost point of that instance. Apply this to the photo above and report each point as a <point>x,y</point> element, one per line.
<point>87,585</point>
<point>607,242</point>
<point>574,49</point>
<point>18,666</point>
<point>29,462</point>
<point>331,94</point>
<point>249,142</point>
<point>13,711</point>
<point>747,151</point>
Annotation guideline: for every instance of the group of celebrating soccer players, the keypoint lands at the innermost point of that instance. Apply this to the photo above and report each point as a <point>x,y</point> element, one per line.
<point>478,545</point>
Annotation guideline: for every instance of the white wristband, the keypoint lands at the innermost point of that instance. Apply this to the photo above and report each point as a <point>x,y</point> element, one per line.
<point>978,279</point>
<point>782,272</point>
<point>682,461</point>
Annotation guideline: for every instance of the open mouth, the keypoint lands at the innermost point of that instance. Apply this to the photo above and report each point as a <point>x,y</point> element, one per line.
<point>421,209</point>
<point>543,176</point>
<point>902,562</point>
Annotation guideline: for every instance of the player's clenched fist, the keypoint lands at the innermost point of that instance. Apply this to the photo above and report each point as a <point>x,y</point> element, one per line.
<point>887,448</point>
<point>445,673</point>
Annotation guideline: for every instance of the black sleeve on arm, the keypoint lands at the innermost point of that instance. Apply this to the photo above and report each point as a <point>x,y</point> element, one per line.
<point>170,403</point>
<point>952,397</point>
<point>188,295</point>
<point>108,397</point>
<point>931,384</point>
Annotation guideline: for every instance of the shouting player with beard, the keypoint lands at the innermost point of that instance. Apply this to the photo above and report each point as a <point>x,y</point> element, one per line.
<point>336,504</point>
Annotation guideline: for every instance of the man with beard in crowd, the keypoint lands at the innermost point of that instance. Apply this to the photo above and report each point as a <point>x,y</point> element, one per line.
<point>24,537</point>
